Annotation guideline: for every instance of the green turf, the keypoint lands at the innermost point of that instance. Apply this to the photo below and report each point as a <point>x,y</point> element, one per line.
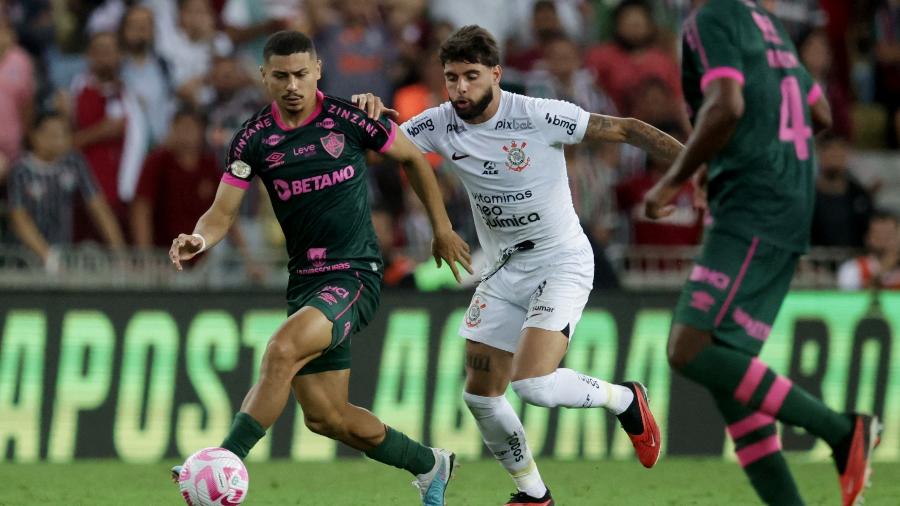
<point>354,482</point>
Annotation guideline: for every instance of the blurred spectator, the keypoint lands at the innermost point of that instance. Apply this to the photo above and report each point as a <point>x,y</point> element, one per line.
<point>105,16</point>
<point>495,17</point>
<point>42,190</point>
<point>110,129</point>
<point>815,53</point>
<point>843,207</point>
<point>563,76</point>
<point>880,267</point>
<point>356,51</point>
<point>144,72</point>
<point>234,99</point>
<point>178,184</point>
<point>190,51</point>
<point>887,57</point>
<point>797,16</point>
<point>632,56</point>
<point>428,91</point>
<point>249,23</point>
<point>17,88</point>
<point>545,26</point>
<point>683,228</point>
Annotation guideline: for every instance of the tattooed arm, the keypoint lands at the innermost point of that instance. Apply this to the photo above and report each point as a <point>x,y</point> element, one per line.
<point>657,143</point>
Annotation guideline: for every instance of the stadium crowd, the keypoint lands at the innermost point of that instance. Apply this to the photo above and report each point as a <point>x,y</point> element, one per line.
<point>118,113</point>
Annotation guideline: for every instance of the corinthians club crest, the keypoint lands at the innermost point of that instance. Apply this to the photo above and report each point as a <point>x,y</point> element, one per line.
<point>473,315</point>
<point>333,144</point>
<point>516,159</point>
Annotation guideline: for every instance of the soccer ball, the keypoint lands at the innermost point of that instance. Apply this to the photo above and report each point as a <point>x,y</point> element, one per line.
<point>213,477</point>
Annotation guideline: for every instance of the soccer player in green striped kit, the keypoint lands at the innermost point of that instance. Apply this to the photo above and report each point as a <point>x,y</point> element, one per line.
<point>756,111</point>
<point>309,150</point>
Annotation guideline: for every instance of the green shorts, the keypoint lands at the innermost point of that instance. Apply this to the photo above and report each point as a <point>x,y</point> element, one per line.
<point>348,299</point>
<point>736,288</point>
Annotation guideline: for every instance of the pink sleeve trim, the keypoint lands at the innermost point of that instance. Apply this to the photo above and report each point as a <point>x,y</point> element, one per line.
<point>814,94</point>
<point>227,178</point>
<point>391,136</point>
<point>720,73</point>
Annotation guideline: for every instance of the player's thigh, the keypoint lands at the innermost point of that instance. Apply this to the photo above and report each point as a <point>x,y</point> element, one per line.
<point>322,395</point>
<point>494,317</point>
<point>539,354</point>
<point>488,369</point>
<point>303,336</point>
<point>736,289</point>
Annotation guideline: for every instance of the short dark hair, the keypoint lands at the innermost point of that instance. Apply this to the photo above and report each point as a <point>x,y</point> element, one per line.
<point>288,42</point>
<point>46,115</point>
<point>471,44</point>
<point>884,215</point>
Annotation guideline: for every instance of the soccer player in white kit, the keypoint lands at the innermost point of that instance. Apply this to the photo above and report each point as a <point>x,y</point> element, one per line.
<point>508,152</point>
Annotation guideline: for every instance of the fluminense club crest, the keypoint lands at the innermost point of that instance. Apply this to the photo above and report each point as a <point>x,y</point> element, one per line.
<point>316,256</point>
<point>333,144</point>
<point>516,159</point>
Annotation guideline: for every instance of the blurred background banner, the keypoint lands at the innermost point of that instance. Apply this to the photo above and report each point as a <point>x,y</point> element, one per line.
<point>143,376</point>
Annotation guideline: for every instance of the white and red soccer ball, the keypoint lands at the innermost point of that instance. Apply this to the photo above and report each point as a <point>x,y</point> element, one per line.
<point>213,477</point>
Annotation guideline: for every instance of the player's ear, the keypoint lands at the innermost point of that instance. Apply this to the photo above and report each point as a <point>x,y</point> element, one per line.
<point>318,68</point>
<point>496,72</point>
<point>262,72</point>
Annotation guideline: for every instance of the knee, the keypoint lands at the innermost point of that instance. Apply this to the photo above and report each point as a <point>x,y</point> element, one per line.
<point>685,344</point>
<point>330,425</point>
<point>280,354</point>
<point>537,391</point>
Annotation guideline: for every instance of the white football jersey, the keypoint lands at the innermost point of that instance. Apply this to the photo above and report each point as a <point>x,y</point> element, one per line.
<point>513,168</point>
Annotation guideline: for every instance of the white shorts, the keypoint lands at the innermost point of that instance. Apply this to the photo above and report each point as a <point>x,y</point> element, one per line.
<point>549,294</point>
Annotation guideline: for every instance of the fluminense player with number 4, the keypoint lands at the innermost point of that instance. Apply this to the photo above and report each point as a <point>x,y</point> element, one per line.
<point>757,109</point>
<point>309,151</point>
<point>508,151</point>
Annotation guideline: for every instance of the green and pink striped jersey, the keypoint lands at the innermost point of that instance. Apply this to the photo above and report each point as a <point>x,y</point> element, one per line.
<point>315,175</point>
<point>762,183</point>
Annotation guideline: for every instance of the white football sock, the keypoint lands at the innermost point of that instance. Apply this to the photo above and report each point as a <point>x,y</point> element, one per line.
<point>571,389</point>
<point>504,436</point>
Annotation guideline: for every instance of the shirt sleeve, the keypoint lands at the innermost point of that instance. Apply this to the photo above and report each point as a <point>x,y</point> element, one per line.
<point>419,130</point>
<point>239,161</point>
<point>377,135</point>
<point>558,121</point>
<point>15,189</point>
<point>712,39</point>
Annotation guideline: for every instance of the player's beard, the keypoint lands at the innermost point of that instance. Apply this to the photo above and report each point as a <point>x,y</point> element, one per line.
<point>476,108</point>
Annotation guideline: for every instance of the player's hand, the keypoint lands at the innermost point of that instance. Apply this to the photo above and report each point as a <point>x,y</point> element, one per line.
<point>657,200</point>
<point>451,248</point>
<point>373,106</point>
<point>184,247</point>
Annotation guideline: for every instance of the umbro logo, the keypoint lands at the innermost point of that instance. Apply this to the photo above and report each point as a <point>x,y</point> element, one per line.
<point>455,156</point>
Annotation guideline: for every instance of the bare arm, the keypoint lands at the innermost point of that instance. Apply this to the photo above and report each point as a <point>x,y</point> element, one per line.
<point>821,115</point>
<point>723,107</point>
<point>109,128</point>
<point>105,221</point>
<point>141,218</point>
<point>447,244</point>
<point>654,141</point>
<point>28,233</point>
<point>212,226</point>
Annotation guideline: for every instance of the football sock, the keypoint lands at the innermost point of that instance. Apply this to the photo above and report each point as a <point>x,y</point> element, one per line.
<point>571,389</point>
<point>748,380</point>
<point>245,432</point>
<point>504,436</point>
<point>400,451</point>
<point>758,448</point>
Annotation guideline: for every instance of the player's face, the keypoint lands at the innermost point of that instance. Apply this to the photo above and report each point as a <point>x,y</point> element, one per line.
<point>470,87</point>
<point>51,139</point>
<point>292,80</point>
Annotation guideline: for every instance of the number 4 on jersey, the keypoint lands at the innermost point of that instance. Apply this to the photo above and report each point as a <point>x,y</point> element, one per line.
<point>792,126</point>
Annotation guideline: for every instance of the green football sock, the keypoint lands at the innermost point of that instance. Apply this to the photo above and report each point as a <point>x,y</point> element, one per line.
<point>399,450</point>
<point>746,379</point>
<point>245,432</point>
<point>758,449</point>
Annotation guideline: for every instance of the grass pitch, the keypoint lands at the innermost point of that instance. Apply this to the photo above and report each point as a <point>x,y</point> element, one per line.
<point>357,482</point>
